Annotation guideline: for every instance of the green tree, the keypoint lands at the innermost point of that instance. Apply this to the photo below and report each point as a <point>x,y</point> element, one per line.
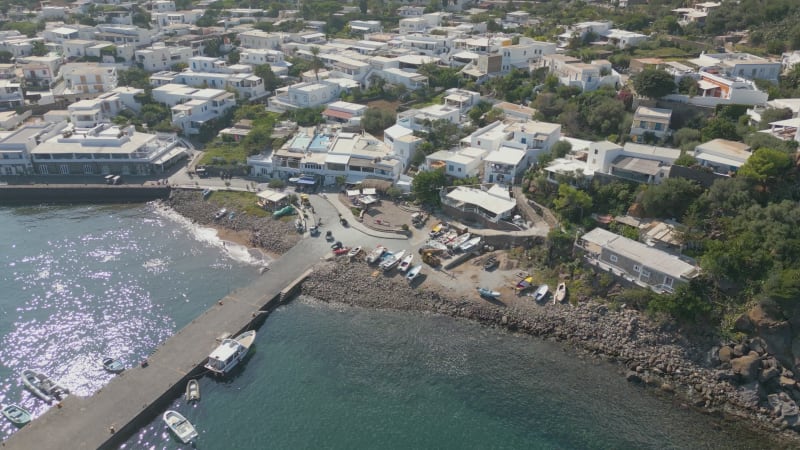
<point>376,120</point>
<point>271,81</point>
<point>39,49</point>
<point>316,63</point>
<point>560,149</point>
<point>671,198</point>
<point>773,115</point>
<point>134,77</point>
<point>654,83</point>
<point>5,56</point>
<point>685,160</point>
<point>719,128</point>
<point>233,56</point>
<point>572,204</point>
<point>766,165</point>
<point>426,185</point>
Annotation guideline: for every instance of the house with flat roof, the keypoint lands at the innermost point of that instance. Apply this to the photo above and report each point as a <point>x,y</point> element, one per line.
<point>193,107</point>
<point>635,262</point>
<point>573,72</point>
<point>738,64</point>
<point>491,205</point>
<point>159,57</point>
<point>86,114</point>
<point>106,149</point>
<point>652,121</point>
<point>724,157</point>
<point>504,165</point>
<point>15,147</point>
<point>305,95</point>
<point>722,90</point>
<point>328,154</point>
<point>88,79</point>
<point>635,162</point>
<point>344,112</point>
<point>461,163</point>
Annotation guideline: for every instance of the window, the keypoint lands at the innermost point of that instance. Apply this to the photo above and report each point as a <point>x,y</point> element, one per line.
<point>523,141</point>
<point>645,273</point>
<point>637,268</point>
<point>612,258</point>
<point>450,168</point>
<point>459,169</point>
<point>668,281</point>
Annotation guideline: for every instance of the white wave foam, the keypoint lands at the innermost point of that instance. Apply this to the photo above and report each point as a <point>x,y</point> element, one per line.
<point>207,235</point>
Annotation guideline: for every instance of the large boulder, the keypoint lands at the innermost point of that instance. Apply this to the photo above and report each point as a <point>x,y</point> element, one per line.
<point>725,354</point>
<point>747,367</point>
<point>774,330</point>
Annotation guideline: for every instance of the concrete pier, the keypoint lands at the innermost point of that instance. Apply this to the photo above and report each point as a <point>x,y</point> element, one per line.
<point>138,395</point>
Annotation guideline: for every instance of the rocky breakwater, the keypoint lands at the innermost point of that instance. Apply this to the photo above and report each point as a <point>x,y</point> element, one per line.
<point>275,236</point>
<point>763,367</point>
<point>649,354</point>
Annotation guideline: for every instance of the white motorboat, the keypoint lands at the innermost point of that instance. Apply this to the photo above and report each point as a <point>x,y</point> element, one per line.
<point>192,391</point>
<point>541,293</point>
<point>393,260</point>
<point>405,263</point>
<point>42,386</point>
<point>470,245</point>
<point>181,426</point>
<point>229,353</point>
<point>413,272</point>
<point>354,252</point>
<point>459,240</point>
<point>436,245</point>
<point>561,293</point>
<point>373,256</point>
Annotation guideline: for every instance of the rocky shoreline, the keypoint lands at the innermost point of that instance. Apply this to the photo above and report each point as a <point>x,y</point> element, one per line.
<point>273,236</point>
<point>649,354</point>
<point>742,380</point>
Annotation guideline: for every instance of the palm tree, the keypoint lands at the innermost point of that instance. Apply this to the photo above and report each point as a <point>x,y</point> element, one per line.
<point>316,63</point>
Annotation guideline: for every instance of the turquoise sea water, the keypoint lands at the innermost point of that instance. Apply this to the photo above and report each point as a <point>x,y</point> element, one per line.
<point>80,282</point>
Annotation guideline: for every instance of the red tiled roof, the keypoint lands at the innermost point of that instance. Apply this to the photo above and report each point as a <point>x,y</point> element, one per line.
<point>337,114</point>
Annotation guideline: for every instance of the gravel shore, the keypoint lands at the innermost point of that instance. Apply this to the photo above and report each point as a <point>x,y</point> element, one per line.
<point>275,237</point>
<point>648,354</point>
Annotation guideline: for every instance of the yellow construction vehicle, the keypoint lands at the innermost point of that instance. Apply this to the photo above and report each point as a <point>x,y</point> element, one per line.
<point>429,257</point>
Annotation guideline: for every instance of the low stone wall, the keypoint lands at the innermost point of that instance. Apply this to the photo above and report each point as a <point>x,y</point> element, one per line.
<point>69,193</point>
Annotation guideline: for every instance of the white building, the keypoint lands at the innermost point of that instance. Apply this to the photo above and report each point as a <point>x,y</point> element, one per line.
<point>124,34</point>
<point>532,137</point>
<point>588,77</point>
<point>88,78</point>
<point>257,39</point>
<point>15,147</point>
<point>192,107</point>
<point>40,71</point>
<point>167,20</point>
<point>86,114</point>
<point>421,119</point>
<point>494,204</point>
<point>742,65</point>
<point>160,57</point>
<point>720,90</point>
<point>724,157</point>
<point>636,162</point>
<point>650,120</point>
<point>504,165</point>
<point>106,149</point>
<point>461,163</point>
<point>305,95</point>
<point>344,112</point>
<point>10,95</point>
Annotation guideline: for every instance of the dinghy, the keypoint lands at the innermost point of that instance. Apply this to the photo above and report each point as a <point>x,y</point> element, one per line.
<point>179,425</point>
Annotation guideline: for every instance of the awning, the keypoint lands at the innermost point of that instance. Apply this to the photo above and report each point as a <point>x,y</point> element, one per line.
<point>337,159</point>
<point>307,181</point>
<point>706,85</point>
<point>353,192</point>
<point>359,28</point>
<point>368,191</point>
<point>337,114</point>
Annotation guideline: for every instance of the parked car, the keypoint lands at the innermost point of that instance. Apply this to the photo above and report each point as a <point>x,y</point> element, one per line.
<point>491,264</point>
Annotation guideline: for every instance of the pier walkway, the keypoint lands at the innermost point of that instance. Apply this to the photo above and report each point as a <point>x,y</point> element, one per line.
<point>138,395</point>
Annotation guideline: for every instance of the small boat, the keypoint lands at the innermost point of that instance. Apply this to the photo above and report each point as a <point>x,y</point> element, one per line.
<point>459,240</point>
<point>541,293</point>
<point>42,386</point>
<point>524,284</point>
<point>470,244</point>
<point>112,365</point>
<point>405,263</point>
<point>375,254</point>
<point>17,415</point>
<point>192,391</point>
<point>354,252</point>
<point>220,214</point>
<point>179,425</point>
<point>436,245</point>
<point>229,353</point>
<point>437,229</point>
<point>413,272</point>
<point>488,293</point>
<point>392,261</point>
<point>561,293</point>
